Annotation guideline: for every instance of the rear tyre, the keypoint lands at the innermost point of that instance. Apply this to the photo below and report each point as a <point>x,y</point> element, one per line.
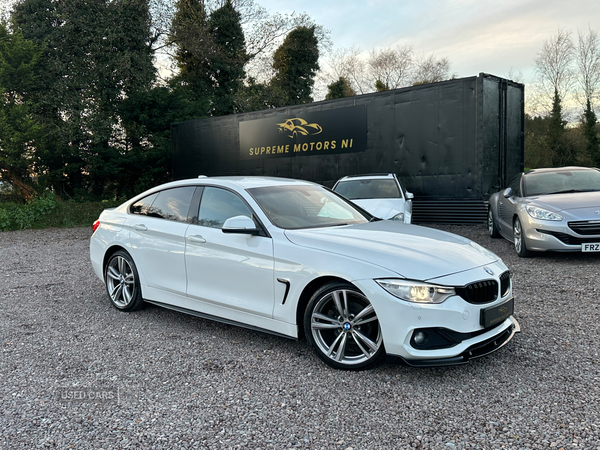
<point>123,282</point>
<point>342,327</point>
<point>492,229</point>
<point>519,239</point>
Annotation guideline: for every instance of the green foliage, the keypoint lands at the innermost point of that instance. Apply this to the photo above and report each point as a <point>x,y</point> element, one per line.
<point>19,217</point>
<point>339,89</point>
<point>147,118</point>
<point>380,86</point>
<point>538,152</point>
<point>49,212</point>
<point>591,134</point>
<point>296,62</point>
<point>211,54</point>
<point>227,62</point>
<point>95,54</point>
<point>561,147</point>
<point>190,34</point>
<point>19,128</point>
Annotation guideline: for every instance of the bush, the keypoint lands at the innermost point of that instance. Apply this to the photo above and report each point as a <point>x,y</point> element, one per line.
<point>47,212</point>
<point>19,217</point>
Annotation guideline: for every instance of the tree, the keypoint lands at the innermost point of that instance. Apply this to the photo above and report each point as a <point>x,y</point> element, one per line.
<point>96,53</point>
<point>18,127</point>
<point>391,67</point>
<point>588,62</point>
<point>228,59</point>
<point>380,86</point>
<point>562,154</point>
<point>591,135</point>
<point>191,36</point>
<point>296,63</point>
<point>553,65</point>
<point>147,117</point>
<point>429,69</point>
<point>587,57</point>
<point>339,89</point>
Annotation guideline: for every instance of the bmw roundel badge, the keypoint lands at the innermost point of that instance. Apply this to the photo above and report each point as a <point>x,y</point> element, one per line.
<point>488,270</point>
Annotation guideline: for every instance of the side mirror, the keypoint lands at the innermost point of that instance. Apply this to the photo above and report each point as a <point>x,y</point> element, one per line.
<point>240,225</point>
<point>507,193</point>
<point>409,196</point>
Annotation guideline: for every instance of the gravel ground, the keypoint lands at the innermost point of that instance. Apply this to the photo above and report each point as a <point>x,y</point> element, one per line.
<point>164,380</point>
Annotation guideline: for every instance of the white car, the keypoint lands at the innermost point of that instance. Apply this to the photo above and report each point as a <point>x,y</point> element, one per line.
<point>382,195</point>
<point>295,259</point>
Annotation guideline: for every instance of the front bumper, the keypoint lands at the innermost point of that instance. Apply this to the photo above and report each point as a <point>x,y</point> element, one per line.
<point>544,235</point>
<point>475,351</point>
<point>459,321</point>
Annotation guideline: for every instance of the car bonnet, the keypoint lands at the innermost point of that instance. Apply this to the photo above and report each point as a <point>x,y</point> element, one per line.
<point>411,251</point>
<point>568,201</point>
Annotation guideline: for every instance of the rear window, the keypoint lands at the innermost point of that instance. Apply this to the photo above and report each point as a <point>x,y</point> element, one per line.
<point>363,189</point>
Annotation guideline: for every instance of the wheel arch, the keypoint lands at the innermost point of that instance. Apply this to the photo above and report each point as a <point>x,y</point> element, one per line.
<point>108,254</point>
<point>306,295</point>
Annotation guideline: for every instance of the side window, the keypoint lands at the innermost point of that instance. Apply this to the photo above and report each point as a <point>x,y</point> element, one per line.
<point>170,204</point>
<point>217,205</point>
<point>515,185</point>
<point>142,207</point>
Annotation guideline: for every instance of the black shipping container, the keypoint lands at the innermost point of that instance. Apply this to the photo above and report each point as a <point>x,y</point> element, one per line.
<point>452,143</point>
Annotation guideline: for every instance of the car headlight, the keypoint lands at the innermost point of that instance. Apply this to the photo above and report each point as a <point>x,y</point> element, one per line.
<point>542,214</point>
<point>416,291</point>
<point>398,217</point>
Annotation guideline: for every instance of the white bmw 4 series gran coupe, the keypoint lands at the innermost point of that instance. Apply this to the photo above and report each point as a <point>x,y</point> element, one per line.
<point>295,259</point>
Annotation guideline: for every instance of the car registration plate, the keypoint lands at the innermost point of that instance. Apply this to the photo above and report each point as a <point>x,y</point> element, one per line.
<point>590,247</point>
<point>497,314</point>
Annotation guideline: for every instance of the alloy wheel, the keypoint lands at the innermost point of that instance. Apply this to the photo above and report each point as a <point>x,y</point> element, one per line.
<point>120,281</point>
<point>345,328</point>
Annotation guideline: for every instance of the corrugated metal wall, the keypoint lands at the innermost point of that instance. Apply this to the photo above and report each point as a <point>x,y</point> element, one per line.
<point>452,144</point>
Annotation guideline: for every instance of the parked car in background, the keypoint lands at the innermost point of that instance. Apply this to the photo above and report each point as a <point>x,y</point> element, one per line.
<point>555,209</point>
<point>293,258</point>
<point>382,195</point>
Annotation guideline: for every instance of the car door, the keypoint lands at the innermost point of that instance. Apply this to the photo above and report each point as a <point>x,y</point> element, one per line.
<point>507,206</point>
<point>157,237</point>
<point>229,270</point>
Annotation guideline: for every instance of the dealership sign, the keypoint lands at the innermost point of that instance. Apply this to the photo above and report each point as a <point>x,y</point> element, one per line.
<point>324,132</point>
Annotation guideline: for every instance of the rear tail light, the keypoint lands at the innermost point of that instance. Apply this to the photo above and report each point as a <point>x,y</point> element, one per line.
<point>95,226</point>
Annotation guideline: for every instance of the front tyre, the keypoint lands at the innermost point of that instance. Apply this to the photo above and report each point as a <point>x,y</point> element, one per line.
<point>492,229</point>
<point>123,282</point>
<point>342,327</point>
<point>519,239</point>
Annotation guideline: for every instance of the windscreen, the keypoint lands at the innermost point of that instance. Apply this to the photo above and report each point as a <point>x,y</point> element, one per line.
<point>364,189</point>
<point>561,181</point>
<point>293,207</point>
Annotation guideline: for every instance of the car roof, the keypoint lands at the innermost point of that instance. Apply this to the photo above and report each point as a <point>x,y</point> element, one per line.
<point>559,169</point>
<point>370,176</point>
<point>244,182</point>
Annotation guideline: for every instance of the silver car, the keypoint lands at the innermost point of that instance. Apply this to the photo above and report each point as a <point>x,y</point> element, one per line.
<point>549,210</point>
<point>381,195</point>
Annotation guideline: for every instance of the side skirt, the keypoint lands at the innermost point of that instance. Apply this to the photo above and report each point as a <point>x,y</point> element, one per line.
<point>217,319</point>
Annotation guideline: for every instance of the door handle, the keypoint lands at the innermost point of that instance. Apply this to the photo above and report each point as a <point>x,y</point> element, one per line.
<point>140,227</point>
<point>197,239</point>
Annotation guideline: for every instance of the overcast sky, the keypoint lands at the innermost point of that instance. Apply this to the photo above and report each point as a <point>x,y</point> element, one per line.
<point>492,36</point>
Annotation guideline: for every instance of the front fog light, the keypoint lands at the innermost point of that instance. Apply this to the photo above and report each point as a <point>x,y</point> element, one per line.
<point>419,337</point>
